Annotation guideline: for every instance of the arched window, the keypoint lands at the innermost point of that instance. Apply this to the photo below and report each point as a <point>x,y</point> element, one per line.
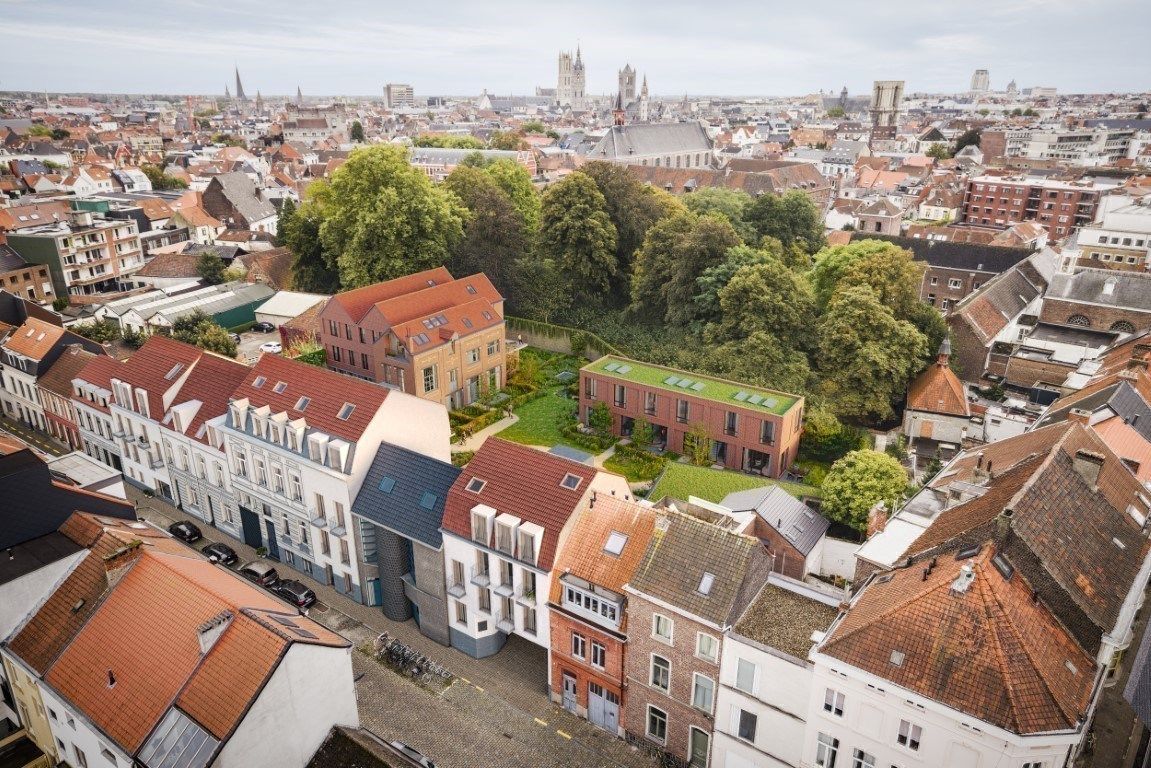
<point>1123,327</point>
<point>1080,320</point>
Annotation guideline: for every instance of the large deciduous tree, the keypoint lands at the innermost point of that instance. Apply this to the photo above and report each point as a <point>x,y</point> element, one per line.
<point>299,231</point>
<point>632,206</point>
<point>890,271</point>
<point>791,218</point>
<point>516,183</point>
<point>199,329</point>
<point>766,297</point>
<point>494,233</point>
<point>857,482</point>
<point>576,233</point>
<point>731,204</point>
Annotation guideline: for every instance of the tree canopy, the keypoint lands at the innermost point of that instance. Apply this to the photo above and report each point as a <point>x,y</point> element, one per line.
<point>765,297</point>
<point>210,267</point>
<point>576,233</point>
<point>201,330</point>
<point>356,133</point>
<point>731,204</point>
<point>447,141</point>
<point>298,230</point>
<point>790,218</point>
<point>857,482</point>
<point>494,231</point>
<point>160,180</point>
<point>890,271</point>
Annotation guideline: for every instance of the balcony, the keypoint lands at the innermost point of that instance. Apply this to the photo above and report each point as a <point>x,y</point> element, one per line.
<point>505,624</point>
<point>504,590</point>
<point>480,576</point>
<point>526,596</point>
<point>457,589</point>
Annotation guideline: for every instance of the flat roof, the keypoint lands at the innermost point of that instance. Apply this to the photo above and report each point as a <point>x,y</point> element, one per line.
<point>687,383</point>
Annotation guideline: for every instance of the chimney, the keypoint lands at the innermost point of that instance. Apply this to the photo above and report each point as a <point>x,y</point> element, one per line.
<point>963,580</point>
<point>209,632</point>
<point>1079,416</point>
<point>1003,522</point>
<point>1088,464</point>
<point>876,519</point>
<point>118,563</point>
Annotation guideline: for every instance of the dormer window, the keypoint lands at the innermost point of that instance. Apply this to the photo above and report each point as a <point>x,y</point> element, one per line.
<point>530,536</point>
<point>482,517</point>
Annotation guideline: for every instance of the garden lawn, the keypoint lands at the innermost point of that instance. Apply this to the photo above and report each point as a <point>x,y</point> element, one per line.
<point>683,480</point>
<point>635,470</point>
<point>540,419</point>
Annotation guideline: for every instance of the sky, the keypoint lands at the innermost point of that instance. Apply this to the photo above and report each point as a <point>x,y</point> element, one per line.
<point>461,47</point>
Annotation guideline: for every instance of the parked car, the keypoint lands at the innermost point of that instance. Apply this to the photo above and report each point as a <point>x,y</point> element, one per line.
<point>185,531</point>
<point>273,347</point>
<point>261,573</point>
<point>412,754</point>
<point>296,593</point>
<point>220,553</point>
<point>263,327</point>
<point>234,337</point>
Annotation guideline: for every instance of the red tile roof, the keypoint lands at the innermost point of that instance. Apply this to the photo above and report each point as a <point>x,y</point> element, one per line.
<point>212,381</point>
<point>151,364</point>
<point>471,311</point>
<point>34,338</point>
<point>938,390</point>
<point>523,482</point>
<point>99,372</point>
<point>328,392</point>
<point>358,301</point>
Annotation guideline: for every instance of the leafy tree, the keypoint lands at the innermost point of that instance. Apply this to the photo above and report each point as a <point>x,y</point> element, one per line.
<point>507,140</point>
<point>761,359</point>
<point>632,206</point>
<point>357,131</point>
<point>210,267</point>
<point>59,134</point>
<point>712,281</point>
<point>697,445</point>
<point>600,419</point>
<point>538,290</point>
<point>577,234</point>
<point>60,303</point>
<point>160,180</point>
<point>642,434</point>
<point>675,254</point>
<point>890,271</point>
<point>866,355</point>
<point>939,151</point>
<point>790,218</point>
<point>100,331</point>
<point>826,438</point>
<point>447,141</point>
<point>533,126</point>
<point>857,482</point>
<point>494,232</point>
<point>39,130</point>
<point>836,112</point>
<point>201,330</point>
<point>968,138</point>
<point>731,204</point>
<point>227,139</point>
<point>765,297</point>
<point>311,352</point>
<point>516,183</point>
<point>381,218</point>
<point>299,231</point>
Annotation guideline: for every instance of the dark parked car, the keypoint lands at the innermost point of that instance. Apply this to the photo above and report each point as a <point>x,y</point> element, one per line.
<point>263,327</point>
<point>220,553</point>
<point>412,754</point>
<point>296,593</point>
<point>185,531</point>
<point>261,573</point>
<point>234,337</point>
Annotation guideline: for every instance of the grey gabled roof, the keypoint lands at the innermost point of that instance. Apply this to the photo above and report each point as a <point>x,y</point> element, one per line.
<point>242,193</point>
<point>1103,286</point>
<point>624,141</point>
<point>397,505</point>
<point>1121,398</point>
<point>795,521</point>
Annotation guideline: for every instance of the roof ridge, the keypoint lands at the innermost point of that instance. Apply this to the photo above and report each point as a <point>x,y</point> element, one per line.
<point>912,596</point>
<point>985,592</point>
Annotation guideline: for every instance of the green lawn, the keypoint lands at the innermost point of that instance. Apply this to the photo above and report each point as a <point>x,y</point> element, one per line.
<point>683,480</point>
<point>635,470</point>
<point>540,420</point>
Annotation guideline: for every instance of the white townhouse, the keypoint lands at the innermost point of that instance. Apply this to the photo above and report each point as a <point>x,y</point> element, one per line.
<point>299,442</point>
<point>507,515</point>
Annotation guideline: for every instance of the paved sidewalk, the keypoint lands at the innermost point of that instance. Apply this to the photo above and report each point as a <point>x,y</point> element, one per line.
<point>475,441</point>
<point>499,708</point>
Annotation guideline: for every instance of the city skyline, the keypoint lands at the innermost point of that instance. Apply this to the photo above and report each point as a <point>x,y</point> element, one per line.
<point>355,50</point>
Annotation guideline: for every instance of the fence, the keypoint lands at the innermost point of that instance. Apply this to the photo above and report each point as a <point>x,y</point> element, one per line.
<point>560,338</point>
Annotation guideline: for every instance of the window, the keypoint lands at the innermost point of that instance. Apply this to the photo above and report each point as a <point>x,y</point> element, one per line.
<point>660,673</point>
<point>344,558</point>
<point>598,654</point>
<point>954,283</point>
<point>81,758</point>
<point>745,676</point>
<point>730,423</point>
<point>461,614</point>
<point>767,432</point>
<point>661,627</point>
<point>473,355</point>
<point>579,645</point>
<point>620,396</point>
<point>475,485</point>
<point>826,749</point>
<point>860,759</point>
<point>702,692</point>
<point>706,646</point>
<point>833,702</point>
<point>1033,764</point>
<point>649,403</point>
<point>345,412</point>
<point>429,378</point>
<point>745,727</point>
<point>681,411</point>
<point>571,482</point>
<point>493,347</point>
<point>107,755</point>
<point>909,735</point>
<point>656,724</point>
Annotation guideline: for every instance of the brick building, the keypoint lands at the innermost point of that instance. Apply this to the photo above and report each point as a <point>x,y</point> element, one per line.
<point>1100,299</point>
<point>427,334</point>
<point>750,428</point>
<point>692,584</point>
<point>1060,206</point>
<point>31,281</point>
<point>589,609</point>
<point>55,389</point>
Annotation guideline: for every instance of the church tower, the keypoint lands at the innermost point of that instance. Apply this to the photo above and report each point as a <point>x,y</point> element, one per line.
<point>644,103</point>
<point>627,84</point>
<point>571,81</point>
<point>619,114</point>
<point>579,80</point>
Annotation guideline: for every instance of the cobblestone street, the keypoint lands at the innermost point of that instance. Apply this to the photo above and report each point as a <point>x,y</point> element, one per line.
<point>497,713</point>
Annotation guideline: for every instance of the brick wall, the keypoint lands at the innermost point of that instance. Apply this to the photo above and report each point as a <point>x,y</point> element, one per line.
<point>1100,317</point>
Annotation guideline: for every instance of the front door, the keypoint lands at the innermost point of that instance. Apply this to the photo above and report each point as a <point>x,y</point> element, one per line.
<point>273,545</point>
<point>697,749</point>
<point>602,708</point>
<point>569,692</point>
<point>250,527</point>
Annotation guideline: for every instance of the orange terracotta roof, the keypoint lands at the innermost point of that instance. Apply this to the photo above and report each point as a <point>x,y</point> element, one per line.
<point>472,312</point>
<point>34,339</point>
<point>938,390</point>
<point>1128,445</point>
<point>358,301</point>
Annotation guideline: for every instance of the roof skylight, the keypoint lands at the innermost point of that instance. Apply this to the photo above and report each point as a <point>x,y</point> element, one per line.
<point>615,543</point>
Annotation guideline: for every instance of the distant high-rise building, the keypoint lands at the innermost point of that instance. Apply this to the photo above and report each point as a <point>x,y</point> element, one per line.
<point>572,78</point>
<point>299,95</point>
<point>399,95</point>
<point>981,81</point>
<point>886,97</point>
<point>627,84</point>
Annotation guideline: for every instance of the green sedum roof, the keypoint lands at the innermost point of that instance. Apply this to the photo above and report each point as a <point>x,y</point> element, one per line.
<point>683,382</point>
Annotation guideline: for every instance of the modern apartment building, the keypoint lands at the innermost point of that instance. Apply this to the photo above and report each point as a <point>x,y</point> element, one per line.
<point>1000,201</point>
<point>749,428</point>
<point>427,334</point>
<point>1120,238</point>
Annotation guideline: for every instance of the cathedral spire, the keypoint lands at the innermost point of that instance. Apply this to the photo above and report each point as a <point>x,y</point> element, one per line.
<point>239,86</point>
<point>299,95</point>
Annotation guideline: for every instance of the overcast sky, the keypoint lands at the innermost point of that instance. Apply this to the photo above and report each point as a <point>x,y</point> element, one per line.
<point>461,47</point>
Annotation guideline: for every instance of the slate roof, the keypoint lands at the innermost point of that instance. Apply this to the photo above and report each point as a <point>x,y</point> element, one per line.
<point>682,549</point>
<point>34,505</point>
<point>523,482</point>
<point>10,260</point>
<point>405,507</point>
<point>243,195</point>
<point>1116,394</point>
<point>989,309</point>
<point>989,651</point>
<point>625,141</point>
<point>1127,289</point>
<point>791,518</point>
<point>967,256</point>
